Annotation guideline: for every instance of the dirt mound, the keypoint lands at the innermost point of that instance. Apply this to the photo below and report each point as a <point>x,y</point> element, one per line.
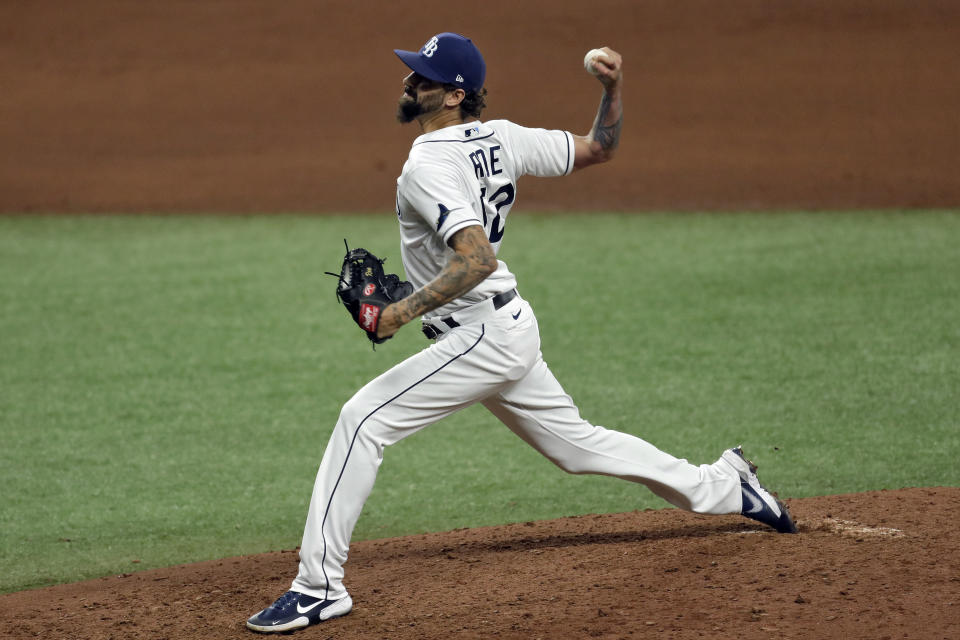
<point>288,106</point>
<point>874,565</point>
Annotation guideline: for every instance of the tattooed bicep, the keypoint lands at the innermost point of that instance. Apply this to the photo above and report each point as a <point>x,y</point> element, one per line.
<point>472,244</point>
<point>467,237</point>
<point>471,241</point>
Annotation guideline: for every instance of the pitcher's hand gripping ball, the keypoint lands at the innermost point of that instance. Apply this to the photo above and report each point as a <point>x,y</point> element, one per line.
<point>365,290</point>
<point>590,60</point>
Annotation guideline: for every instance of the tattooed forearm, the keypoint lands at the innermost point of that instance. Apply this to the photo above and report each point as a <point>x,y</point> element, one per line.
<point>472,261</point>
<point>417,304</point>
<point>606,128</point>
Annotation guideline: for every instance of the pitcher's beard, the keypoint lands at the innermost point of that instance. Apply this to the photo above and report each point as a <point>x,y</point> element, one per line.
<point>409,108</point>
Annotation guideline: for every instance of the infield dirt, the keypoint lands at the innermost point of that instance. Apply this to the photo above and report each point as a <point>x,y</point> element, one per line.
<point>875,565</point>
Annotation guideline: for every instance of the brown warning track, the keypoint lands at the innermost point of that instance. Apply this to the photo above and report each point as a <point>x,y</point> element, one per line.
<point>874,565</point>
<point>247,106</point>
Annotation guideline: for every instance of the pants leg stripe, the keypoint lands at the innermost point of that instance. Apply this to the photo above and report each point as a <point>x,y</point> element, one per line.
<point>354,439</point>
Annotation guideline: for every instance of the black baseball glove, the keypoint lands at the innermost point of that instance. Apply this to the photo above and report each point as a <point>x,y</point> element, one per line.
<point>365,290</point>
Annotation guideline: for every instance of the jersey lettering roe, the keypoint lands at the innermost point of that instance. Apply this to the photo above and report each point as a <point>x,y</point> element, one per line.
<point>467,175</point>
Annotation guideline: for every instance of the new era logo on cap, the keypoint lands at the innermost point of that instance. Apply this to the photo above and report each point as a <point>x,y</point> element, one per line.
<point>448,58</point>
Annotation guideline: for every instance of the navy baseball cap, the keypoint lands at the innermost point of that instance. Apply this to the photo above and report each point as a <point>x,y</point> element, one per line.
<point>448,58</point>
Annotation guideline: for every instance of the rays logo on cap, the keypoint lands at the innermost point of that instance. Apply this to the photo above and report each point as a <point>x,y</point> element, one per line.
<point>448,58</point>
<point>431,47</point>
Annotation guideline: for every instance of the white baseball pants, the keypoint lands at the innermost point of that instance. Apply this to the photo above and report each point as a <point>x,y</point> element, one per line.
<point>493,358</point>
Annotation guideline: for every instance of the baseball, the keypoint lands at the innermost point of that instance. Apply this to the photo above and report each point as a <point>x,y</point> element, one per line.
<point>590,58</point>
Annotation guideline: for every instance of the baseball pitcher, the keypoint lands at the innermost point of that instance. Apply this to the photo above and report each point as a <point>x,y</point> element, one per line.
<point>454,195</point>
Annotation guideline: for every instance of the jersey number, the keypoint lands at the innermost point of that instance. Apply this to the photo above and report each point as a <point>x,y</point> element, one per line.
<point>500,198</point>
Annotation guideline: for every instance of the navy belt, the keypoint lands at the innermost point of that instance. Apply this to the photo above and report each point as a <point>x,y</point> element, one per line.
<point>436,327</point>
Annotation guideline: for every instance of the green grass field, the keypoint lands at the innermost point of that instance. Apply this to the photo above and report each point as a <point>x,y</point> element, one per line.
<point>167,384</point>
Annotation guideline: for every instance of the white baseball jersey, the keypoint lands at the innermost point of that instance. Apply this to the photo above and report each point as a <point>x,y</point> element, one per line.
<point>467,175</point>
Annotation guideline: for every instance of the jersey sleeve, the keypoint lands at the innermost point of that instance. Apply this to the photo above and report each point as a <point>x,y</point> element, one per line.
<point>541,152</point>
<point>439,196</point>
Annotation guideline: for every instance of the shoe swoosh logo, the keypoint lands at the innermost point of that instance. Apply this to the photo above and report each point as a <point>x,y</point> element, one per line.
<point>310,608</point>
<point>756,504</point>
<point>517,315</point>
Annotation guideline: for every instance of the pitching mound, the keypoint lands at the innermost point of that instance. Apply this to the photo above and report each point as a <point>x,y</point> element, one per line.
<point>874,565</point>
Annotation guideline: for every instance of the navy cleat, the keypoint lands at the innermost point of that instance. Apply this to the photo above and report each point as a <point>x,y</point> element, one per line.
<point>758,503</point>
<point>294,610</point>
